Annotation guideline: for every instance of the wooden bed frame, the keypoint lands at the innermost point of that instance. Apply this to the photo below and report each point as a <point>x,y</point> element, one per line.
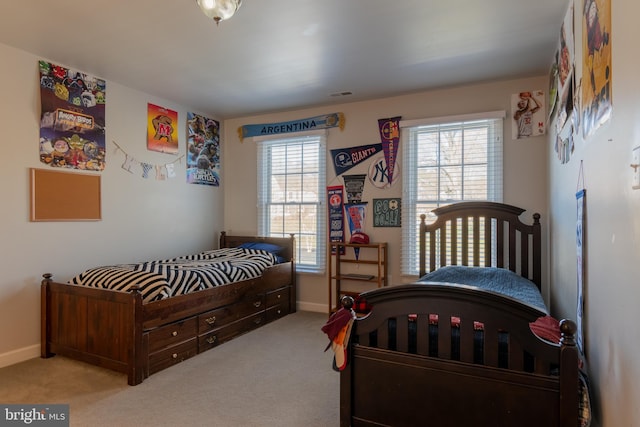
<point>116,330</point>
<point>401,368</point>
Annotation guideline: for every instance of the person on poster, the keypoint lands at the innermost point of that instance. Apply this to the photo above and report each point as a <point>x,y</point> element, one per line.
<point>597,36</point>
<point>524,114</point>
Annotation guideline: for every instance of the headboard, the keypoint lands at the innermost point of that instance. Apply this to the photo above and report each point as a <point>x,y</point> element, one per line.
<point>483,234</point>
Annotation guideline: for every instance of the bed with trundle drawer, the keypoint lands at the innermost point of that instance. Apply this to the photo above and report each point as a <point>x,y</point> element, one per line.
<point>144,317</point>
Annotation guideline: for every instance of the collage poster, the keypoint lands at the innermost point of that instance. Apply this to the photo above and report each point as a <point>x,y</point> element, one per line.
<point>203,150</point>
<point>72,120</point>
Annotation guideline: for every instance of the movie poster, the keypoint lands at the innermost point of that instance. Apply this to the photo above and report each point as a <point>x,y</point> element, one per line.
<point>72,121</point>
<point>203,150</point>
<point>162,129</point>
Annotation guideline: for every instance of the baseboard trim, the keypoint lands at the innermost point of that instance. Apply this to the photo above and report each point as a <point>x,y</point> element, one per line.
<point>311,306</point>
<point>20,355</point>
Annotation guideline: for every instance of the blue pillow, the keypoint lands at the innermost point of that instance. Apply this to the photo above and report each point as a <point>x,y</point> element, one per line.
<point>262,246</point>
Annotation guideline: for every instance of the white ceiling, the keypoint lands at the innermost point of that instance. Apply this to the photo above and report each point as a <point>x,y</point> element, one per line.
<point>278,55</point>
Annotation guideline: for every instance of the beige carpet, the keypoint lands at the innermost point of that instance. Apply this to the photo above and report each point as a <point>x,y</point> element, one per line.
<point>277,375</point>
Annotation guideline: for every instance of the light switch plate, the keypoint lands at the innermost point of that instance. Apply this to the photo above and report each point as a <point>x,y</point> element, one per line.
<point>635,164</point>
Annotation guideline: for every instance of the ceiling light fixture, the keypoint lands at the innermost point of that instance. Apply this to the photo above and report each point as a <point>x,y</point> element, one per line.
<point>219,10</point>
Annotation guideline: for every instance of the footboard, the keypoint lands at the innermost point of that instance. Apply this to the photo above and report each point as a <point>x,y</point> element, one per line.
<point>452,355</point>
<point>92,325</point>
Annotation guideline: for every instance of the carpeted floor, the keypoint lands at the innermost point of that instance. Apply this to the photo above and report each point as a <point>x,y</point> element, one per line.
<point>277,375</point>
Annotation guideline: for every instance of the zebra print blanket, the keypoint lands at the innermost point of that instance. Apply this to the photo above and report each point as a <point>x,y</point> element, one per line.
<point>176,276</point>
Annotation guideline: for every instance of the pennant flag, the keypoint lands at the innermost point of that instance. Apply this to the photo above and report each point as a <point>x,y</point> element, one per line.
<point>390,137</point>
<point>311,123</point>
<point>355,214</point>
<point>146,167</point>
<point>128,163</point>
<point>354,185</point>
<point>336,216</point>
<point>171,171</point>
<point>346,158</point>
<point>160,173</point>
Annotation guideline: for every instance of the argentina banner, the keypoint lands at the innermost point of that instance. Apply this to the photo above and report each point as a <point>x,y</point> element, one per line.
<point>311,123</point>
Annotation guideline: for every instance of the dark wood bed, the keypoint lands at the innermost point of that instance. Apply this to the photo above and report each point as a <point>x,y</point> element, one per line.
<point>447,354</point>
<point>116,330</point>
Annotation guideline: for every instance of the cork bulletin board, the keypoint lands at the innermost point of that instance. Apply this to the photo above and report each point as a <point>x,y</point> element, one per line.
<point>64,196</point>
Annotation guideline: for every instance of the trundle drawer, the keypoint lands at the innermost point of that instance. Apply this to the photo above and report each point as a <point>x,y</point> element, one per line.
<point>278,297</point>
<point>175,333</point>
<point>172,355</point>
<point>219,317</point>
<point>218,336</point>
<point>277,312</point>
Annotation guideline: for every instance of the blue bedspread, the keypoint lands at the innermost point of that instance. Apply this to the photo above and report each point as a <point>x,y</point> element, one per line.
<point>498,280</point>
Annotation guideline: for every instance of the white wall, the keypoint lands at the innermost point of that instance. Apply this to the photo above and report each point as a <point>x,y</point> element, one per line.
<point>141,218</point>
<point>525,164</point>
<point>612,231</point>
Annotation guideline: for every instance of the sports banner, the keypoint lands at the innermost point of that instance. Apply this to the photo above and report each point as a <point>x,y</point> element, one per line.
<point>354,185</point>
<point>311,123</point>
<point>336,215</point>
<point>346,158</point>
<point>72,120</point>
<point>390,138</point>
<point>355,215</point>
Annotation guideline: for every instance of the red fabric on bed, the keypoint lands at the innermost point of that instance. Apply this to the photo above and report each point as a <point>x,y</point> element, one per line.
<point>547,328</point>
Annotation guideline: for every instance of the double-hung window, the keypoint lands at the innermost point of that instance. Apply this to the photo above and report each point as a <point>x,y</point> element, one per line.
<point>447,160</point>
<point>291,192</point>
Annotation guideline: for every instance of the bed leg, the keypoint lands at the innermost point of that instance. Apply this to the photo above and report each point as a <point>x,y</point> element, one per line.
<point>136,362</point>
<point>45,301</point>
<point>569,374</point>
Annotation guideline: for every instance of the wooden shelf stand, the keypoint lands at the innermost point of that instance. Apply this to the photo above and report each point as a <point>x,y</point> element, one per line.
<point>349,275</point>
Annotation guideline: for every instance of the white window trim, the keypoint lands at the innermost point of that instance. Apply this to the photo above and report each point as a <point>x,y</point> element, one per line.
<point>409,209</point>
<point>321,236</point>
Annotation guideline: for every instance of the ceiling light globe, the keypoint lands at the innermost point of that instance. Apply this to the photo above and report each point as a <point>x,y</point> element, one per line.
<point>219,10</point>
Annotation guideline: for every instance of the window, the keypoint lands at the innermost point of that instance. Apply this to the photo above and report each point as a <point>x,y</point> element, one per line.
<point>447,160</point>
<point>291,192</point>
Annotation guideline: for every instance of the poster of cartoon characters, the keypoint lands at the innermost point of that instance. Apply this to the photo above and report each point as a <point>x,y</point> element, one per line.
<point>203,150</point>
<point>162,129</point>
<point>72,121</point>
<point>596,67</point>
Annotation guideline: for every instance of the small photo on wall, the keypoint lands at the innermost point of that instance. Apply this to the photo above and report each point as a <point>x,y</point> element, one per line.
<point>528,113</point>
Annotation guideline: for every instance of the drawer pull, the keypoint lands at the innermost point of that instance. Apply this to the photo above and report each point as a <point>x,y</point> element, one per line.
<point>212,339</point>
<point>279,296</point>
<point>174,333</point>
<point>279,311</point>
<point>257,321</point>
<point>257,304</point>
<point>174,355</point>
<point>211,320</point>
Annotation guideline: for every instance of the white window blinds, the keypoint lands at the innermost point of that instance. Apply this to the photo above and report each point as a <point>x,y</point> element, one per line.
<point>447,160</point>
<point>291,192</point>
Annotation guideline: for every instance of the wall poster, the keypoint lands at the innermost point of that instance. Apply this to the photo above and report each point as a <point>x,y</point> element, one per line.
<point>386,212</point>
<point>528,114</point>
<point>596,68</point>
<point>72,121</point>
<point>162,129</point>
<point>203,150</point>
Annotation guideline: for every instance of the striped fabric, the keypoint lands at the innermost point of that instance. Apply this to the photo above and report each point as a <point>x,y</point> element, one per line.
<point>170,277</point>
